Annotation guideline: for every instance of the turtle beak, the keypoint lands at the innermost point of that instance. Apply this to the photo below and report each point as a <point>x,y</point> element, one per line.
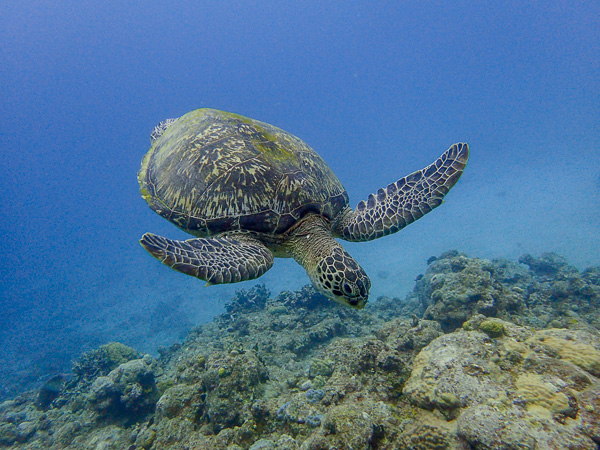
<point>352,302</point>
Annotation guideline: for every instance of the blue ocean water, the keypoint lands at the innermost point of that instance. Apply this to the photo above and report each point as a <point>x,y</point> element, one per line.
<point>379,89</point>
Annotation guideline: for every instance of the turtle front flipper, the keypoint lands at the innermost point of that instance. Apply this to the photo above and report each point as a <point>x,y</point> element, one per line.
<point>404,201</point>
<point>215,260</point>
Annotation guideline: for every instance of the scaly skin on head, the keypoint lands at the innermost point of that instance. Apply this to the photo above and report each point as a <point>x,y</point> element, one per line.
<point>330,268</point>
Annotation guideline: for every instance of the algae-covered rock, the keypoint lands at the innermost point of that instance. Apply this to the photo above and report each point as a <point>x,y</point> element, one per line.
<point>456,287</point>
<point>130,389</point>
<point>50,390</point>
<point>574,346</point>
<point>99,362</point>
<point>516,379</point>
<point>351,426</point>
<point>177,398</point>
<point>221,399</point>
<point>263,444</point>
<point>104,359</point>
<point>544,392</point>
<point>486,427</point>
<point>321,367</point>
<point>253,299</point>
<point>8,433</point>
<point>428,435</point>
<point>232,381</point>
<point>286,442</point>
<point>547,265</point>
<point>589,411</point>
<point>459,365</point>
<point>493,328</point>
<point>405,335</point>
<point>109,437</point>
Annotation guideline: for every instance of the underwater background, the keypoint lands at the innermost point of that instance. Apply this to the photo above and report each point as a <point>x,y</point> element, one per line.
<point>379,89</point>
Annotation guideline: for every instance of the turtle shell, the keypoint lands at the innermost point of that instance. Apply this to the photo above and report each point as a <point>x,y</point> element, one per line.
<point>212,172</point>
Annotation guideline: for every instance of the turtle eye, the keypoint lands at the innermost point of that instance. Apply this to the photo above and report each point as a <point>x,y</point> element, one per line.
<point>347,289</point>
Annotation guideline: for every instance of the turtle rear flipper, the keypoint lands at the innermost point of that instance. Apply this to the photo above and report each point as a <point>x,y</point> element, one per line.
<point>216,260</point>
<point>404,201</point>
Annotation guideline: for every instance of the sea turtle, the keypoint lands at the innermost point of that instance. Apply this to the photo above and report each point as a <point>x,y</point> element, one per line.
<point>250,192</point>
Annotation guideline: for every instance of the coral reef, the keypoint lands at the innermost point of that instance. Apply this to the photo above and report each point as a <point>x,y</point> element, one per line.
<point>550,293</point>
<point>515,379</point>
<point>481,355</point>
<point>128,390</point>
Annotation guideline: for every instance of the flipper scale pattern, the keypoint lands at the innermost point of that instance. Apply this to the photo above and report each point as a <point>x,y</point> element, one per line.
<point>216,260</point>
<point>404,201</point>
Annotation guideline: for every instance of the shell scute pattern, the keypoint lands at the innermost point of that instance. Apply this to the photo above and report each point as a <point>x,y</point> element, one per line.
<point>212,172</point>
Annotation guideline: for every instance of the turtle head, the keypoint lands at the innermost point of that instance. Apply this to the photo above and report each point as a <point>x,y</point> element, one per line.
<point>331,269</point>
<point>340,278</point>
